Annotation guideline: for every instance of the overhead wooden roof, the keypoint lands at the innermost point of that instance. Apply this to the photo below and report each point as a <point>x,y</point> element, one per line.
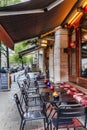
<point>20,22</point>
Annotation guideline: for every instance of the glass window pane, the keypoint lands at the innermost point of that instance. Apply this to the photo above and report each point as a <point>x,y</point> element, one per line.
<point>73,54</point>
<point>83,53</point>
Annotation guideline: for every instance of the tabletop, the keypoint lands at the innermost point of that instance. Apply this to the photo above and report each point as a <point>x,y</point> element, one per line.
<point>63,97</point>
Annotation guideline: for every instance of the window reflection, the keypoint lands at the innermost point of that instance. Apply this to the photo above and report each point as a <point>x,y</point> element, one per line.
<point>84,52</point>
<point>73,54</point>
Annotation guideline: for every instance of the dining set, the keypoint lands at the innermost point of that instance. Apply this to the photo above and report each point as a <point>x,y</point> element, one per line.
<point>50,103</point>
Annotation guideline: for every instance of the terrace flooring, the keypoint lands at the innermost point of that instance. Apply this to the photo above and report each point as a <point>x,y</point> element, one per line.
<point>9,116</point>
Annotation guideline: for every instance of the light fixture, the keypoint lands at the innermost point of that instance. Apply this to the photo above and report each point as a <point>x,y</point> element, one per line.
<point>54,4</point>
<point>75,17</point>
<point>85,3</point>
<point>43,45</point>
<point>44,41</point>
<point>78,13</point>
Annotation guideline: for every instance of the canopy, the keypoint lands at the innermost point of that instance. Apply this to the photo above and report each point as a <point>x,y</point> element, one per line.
<point>32,18</point>
<point>29,50</point>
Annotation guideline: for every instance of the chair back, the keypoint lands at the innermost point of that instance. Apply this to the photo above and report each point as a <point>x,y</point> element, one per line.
<point>28,79</point>
<point>25,95</point>
<point>26,83</point>
<point>19,106</point>
<point>70,112</point>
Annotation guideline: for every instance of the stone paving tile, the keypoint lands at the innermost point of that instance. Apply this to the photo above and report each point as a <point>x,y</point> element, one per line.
<point>9,116</point>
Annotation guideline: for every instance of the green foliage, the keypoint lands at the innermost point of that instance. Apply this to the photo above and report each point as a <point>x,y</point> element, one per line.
<point>8,2</point>
<point>27,59</point>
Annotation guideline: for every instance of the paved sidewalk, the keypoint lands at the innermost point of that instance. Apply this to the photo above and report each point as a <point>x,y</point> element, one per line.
<point>9,116</point>
<point>9,119</point>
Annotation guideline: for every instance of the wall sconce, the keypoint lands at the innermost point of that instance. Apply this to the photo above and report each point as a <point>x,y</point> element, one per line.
<point>43,43</point>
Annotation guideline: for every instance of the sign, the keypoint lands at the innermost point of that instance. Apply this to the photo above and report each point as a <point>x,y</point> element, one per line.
<point>3,80</point>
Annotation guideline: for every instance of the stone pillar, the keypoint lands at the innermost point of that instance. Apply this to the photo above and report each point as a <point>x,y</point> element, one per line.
<point>60,57</point>
<point>64,55</point>
<point>51,64</point>
<point>57,57</point>
<point>41,60</point>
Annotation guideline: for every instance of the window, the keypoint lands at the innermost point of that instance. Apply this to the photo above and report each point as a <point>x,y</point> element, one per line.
<point>73,53</point>
<point>83,31</point>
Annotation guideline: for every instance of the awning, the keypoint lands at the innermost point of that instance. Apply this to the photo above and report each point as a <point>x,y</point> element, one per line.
<point>29,50</point>
<point>19,22</point>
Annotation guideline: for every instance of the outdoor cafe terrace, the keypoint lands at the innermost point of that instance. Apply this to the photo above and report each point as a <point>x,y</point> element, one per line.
<point>71,94</point>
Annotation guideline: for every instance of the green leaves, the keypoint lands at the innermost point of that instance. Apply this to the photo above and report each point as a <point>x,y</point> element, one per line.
<point>8,2</point>
<point>15,57</point>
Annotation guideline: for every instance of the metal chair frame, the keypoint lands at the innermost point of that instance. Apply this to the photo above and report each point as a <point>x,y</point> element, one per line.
<point>28,116</point>
<point>65,116</point>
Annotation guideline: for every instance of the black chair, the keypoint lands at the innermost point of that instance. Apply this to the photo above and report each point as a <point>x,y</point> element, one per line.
<point>31,100</point>
<point>30,87</point>
<point>67,116</point>
<point>32,93</point>
<point>28,116</point>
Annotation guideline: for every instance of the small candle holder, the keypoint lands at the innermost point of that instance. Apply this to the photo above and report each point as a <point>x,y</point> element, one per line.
<point>56,98</point>
<point>52,88</point>
<point>48,84</point>
<point>55,95</point>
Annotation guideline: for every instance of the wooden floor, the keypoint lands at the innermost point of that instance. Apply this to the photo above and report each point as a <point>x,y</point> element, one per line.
<point>9,116</point>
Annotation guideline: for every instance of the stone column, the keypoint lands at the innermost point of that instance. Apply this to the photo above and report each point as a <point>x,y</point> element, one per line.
<point>60,56</point>
<point>41,60</point>
<point>51,64</point>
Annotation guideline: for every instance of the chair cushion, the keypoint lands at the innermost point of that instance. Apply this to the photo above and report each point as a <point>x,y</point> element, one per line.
<point>84,99</point>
